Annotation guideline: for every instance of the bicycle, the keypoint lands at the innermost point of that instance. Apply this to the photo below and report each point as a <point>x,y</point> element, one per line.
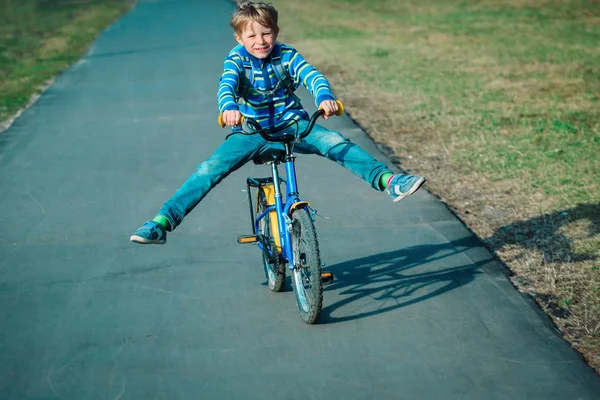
<point>283,229</point>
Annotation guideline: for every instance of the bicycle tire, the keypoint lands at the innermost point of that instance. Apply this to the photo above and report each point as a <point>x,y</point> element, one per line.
<point>306,275</point>
<point>274,270</point>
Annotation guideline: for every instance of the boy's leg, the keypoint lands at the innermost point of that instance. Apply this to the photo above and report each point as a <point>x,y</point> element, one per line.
<point>229,156</point>
<point>351,156</point>
<point>234,152</point>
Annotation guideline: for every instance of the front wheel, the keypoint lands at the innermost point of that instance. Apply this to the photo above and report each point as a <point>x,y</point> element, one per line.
<point>306,276</point>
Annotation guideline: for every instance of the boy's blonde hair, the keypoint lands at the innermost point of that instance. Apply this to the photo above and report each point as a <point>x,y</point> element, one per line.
<point>249,11</point>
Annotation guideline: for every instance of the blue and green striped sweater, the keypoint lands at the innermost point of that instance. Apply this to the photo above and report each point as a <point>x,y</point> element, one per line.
<point>268,110</point>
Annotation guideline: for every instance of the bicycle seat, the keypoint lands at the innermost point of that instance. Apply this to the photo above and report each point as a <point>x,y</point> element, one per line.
<point>269,155</point>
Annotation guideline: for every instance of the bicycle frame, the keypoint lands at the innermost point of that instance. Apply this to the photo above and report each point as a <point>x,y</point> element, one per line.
<point>290,236</point>
<point>283,207</point>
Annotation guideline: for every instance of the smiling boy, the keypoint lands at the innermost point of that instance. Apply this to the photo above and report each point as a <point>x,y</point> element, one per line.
<point>258,81</point>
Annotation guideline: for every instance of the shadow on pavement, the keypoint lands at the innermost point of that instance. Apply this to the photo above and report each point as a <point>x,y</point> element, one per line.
<point>395,279</point>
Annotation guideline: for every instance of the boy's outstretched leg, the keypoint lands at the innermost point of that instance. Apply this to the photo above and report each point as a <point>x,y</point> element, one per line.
<point>337,148</point>
<point>229,156</point>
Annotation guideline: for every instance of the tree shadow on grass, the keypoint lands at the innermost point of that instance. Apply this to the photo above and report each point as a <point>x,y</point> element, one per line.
<point>388,281</point>
<point>543,234</point>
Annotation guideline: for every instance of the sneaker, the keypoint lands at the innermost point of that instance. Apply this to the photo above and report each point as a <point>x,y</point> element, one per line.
<point>403,185</point>
<point>151,233</point>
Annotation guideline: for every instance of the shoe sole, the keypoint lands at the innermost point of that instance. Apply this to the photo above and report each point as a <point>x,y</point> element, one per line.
<point>141,240</point>
<point>413,189</point>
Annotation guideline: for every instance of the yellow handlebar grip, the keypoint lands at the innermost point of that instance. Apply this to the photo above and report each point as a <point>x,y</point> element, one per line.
<point>340,110</point>
<point>222,123</point>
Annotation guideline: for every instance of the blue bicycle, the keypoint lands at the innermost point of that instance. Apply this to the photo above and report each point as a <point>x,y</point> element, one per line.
<point>283,228</point>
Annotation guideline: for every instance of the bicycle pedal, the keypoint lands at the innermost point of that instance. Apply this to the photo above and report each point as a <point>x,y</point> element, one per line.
<point>327,278</point>
<point>247,239</point>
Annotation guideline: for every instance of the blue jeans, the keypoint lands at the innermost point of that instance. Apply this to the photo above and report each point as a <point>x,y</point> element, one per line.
<point>239,149</point>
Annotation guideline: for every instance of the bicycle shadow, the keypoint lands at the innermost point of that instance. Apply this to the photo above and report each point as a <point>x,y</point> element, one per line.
<point>388,281</point>
<point>542,233</point>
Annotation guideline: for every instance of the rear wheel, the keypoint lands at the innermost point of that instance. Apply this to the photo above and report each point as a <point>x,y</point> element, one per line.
<point>274,268</point>
<point>306,276</point>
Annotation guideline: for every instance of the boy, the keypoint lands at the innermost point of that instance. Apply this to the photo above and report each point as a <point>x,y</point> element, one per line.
<point>262,75</point>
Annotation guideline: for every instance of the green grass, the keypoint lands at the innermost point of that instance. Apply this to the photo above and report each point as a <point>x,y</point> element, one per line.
<point>39,39</point>
<point>522,78</point>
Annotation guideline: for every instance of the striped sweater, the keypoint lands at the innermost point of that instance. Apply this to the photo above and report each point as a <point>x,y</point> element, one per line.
<point>268,110</point>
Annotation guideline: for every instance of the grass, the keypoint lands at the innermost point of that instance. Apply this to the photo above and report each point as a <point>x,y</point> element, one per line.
<point>497,102</point>
<point>39,39</point>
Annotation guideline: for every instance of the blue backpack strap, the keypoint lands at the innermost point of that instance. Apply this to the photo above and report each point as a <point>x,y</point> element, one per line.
<point>285,80</point>
<point>245,81</point>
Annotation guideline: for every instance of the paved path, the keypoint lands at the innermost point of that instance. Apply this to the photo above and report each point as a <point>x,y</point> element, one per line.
<point>419,309</point>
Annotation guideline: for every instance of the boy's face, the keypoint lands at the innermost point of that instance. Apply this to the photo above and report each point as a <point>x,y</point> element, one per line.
<point>257,39</point>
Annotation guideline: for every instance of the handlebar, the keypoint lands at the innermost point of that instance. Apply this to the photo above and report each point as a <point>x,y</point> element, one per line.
<point>222,123</point>
<point>268,132</point>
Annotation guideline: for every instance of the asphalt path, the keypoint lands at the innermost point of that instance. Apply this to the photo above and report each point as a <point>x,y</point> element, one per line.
<point>419,309</point>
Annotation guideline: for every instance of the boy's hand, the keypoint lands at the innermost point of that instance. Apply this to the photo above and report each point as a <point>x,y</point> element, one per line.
<point>330,107</point>
<point>232,117</point>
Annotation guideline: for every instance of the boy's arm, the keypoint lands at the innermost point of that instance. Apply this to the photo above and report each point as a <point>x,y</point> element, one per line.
<point>228,84</point>
<point>227,94</point>
<point>313,80</point>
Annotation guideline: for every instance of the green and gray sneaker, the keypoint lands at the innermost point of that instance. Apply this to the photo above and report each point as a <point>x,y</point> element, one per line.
<point>150,233</point>
<point>402,185</point>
